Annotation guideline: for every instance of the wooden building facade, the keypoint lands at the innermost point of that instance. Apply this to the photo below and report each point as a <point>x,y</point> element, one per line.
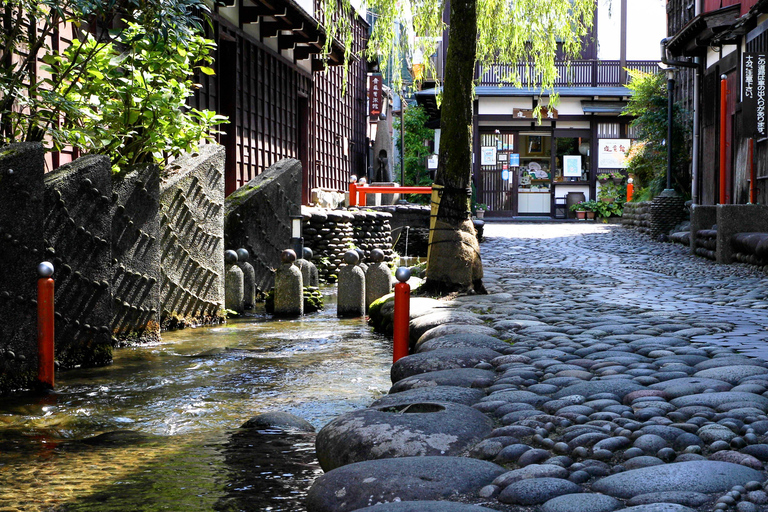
<point>523,168</point>
<point>716,35</point>
<point>282,100</point>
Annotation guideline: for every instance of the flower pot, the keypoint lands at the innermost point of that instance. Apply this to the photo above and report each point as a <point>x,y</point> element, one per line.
<point>608,199</point>
<point>590,215</point>
<point>479,213</point>
<point>581,215</point>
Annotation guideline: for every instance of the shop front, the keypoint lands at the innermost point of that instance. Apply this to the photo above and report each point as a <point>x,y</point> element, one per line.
<point>526,168</point>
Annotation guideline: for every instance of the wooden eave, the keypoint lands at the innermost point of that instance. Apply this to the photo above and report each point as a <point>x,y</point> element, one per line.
<point>294,28</point>
<point>699,33</point>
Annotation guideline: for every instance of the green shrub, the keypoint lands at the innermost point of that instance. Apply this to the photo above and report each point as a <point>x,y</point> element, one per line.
<point>129,101</point>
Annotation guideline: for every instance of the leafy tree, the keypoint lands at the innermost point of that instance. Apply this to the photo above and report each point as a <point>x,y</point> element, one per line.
<point>34,98</point>
<point>416,152</point>
<point>648,156</point>
<point>130,101</point>
<point>481,32</point>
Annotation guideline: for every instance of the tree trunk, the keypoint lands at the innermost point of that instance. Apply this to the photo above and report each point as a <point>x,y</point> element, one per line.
<point>454,261</point>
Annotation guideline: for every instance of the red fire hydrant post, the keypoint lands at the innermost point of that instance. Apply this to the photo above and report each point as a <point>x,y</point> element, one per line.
<point>402,316</point>
<point>45,324</point>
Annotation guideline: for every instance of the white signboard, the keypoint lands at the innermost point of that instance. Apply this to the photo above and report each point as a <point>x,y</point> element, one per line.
<point>432,162</point>
<point>572,166</point>
<point>612,153</point>
<point>488,155</point>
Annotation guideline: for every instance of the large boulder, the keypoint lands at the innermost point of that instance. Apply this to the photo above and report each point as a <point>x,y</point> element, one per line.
<point>421,429</point>
<point>440,359</point>
<point>703,476</point>
<point>364,484</point>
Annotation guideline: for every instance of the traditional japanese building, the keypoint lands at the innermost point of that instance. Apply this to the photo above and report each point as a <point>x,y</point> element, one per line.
<point>282,100</point>
<point>718,49</point>
<point>528,169</point>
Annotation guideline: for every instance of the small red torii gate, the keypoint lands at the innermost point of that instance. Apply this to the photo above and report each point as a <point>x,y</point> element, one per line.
<point>358,193</point>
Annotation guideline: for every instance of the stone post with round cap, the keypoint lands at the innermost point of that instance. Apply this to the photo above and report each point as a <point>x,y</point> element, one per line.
<point>233,283</point>
<point>351,287</point>
<point>289,286</point>
<point>249,278</point>
<point>308,269</point>
<point>378,278</point>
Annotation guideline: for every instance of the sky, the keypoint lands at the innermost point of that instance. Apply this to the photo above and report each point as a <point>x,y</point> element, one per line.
<point>646,27</point>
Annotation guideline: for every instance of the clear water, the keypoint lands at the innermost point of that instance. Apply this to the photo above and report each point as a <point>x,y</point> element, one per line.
<point>189,394</point>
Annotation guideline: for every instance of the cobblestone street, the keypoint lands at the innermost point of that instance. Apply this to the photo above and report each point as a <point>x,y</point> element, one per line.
<point>629,385</point>
<point>617,271</point>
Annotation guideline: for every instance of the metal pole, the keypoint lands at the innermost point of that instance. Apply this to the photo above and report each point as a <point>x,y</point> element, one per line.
<point>45,324</point>
<point>723,141</point>
<point>670,119</point>
<point>401,320</point>
<point>402,139</point>
<point>752,173</point>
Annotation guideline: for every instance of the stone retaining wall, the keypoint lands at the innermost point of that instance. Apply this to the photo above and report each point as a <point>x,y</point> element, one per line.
<point>102,232</point>
<point>78,233</point>
<point>192,262</point>
<point>257,218</point>
<point>21,248</point>
<point>331,233</point>
<point>637,216</point>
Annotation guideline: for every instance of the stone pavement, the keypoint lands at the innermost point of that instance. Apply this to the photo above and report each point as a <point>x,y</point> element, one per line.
<point>625,384</point>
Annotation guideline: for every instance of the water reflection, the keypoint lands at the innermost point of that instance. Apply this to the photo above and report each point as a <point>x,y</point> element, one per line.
<point>191,391</point>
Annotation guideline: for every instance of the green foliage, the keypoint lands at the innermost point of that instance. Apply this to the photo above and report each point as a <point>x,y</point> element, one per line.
<point>28,105</point>
<point>528,31</point>
<point>416,153</point>
<point>648,155</point>
<point>129,102</point>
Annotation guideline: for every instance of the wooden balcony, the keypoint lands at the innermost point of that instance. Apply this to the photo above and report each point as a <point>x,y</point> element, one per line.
<point>580,73</point>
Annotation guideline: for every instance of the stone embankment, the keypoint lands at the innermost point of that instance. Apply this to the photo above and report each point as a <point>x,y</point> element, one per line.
<point>601,373</point>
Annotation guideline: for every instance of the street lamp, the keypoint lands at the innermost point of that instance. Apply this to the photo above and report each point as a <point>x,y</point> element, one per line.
<point>670,102</point>
<point>297,242</point>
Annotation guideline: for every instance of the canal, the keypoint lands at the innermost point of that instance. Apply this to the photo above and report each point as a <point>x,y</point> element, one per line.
<point>158,429</point>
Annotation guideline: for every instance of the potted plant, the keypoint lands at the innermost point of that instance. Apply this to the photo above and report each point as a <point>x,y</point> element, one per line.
<point>580,209</point>
<point>603,177</point>
<point>480,210</point>
<point>590,207</point>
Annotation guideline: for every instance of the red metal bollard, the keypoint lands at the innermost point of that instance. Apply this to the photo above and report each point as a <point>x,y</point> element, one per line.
<point>45,324</point>
<point>353,192</point>
<point>402,314</point>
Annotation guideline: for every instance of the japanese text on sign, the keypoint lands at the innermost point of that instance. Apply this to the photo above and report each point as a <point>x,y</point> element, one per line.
<point>375,96</point>
<point>753,94</point>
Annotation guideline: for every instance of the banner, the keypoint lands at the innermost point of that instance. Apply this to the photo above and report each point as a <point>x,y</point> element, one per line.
<point>753,94</point>
<point>375,95</point>
<point>612,153</point>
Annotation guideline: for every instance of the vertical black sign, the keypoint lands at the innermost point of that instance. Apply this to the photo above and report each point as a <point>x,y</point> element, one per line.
<point>375,94</point>
<point>753,94</point>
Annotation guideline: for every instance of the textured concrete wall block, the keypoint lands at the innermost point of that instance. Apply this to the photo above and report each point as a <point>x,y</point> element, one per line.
<point>21,249</point>
<point>192,239</point>
<point>738,218</point>
<point>258,218</point>
<point>136,250</point>
<point>78,231</point>
<point>702,217</point>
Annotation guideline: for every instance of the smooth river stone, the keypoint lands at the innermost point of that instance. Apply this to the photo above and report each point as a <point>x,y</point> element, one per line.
<point>593,387</point>
<point>715,399</point>
<point>464,377</point>
<point>423,506</point>
<point>534,491</point>
<point>585,502</point>
<point>731,374</point>
<point>355,486</point>
<point>440,359</point>
<point>696,476</point>
<point>463,340</point>
<point>687,498</point>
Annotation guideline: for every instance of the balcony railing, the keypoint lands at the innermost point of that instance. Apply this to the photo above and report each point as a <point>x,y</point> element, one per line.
<point>580,73</point>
